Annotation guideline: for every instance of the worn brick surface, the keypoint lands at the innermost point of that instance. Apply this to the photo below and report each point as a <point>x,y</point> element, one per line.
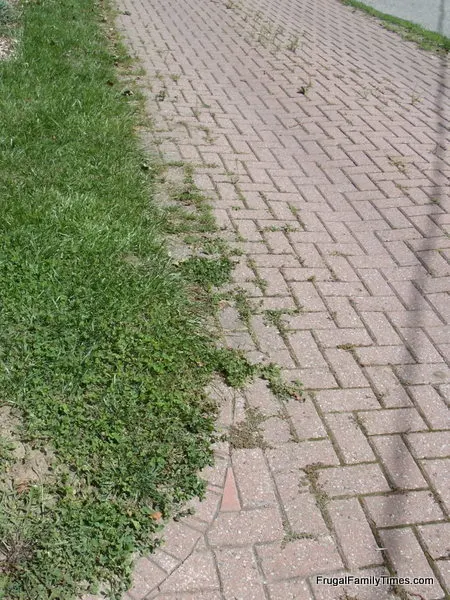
<point>145,577</point>
<point>301,509</point>
<point>436,538</point>
<point>439,472</point>
<point>347,400</point>
<point>397,420</point>
<point>246,527</point>
<point>305,419</point>
<point>387,386</point>
<point>294,589</point>
<point>404,508</point>
<point>196,573</point>
<point>351,441</point>
<point>253,478</point>
<point>407,557</point>
<point>432,444</point>
<point>354,533</point>
<point>180,539</point>
<point>298,558</point>
<point>320,139</point>
<point>239,574</point>
<point>298,455</point>
<point>398,462</point>
<point>354,480</point>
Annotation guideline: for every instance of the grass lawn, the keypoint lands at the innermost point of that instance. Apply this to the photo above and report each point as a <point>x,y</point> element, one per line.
<point>103,355</point>
<point>428,40</point>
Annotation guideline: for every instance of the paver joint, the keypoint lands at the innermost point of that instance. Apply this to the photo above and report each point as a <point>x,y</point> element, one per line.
<point>320,138</point>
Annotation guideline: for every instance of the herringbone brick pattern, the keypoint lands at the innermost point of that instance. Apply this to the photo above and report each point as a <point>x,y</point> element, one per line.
<point>320,138</point>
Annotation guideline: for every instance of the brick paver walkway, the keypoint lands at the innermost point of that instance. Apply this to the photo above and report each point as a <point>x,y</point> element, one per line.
<point>320,138</point>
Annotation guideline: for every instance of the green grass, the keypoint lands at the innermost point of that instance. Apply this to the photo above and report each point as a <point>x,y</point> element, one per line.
<point>6,12</point>
<point>7,18</point>
<point>102,351</point>
<point>105,344</point>
<point>428,40</point>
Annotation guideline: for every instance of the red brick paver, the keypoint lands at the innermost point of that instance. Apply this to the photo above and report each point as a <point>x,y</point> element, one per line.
<point>319,137</point>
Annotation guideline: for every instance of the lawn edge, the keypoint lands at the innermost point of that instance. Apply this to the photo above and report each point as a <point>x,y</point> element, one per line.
<point>425,38</point>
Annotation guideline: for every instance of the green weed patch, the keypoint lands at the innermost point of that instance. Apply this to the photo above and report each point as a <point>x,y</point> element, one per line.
<point>102,355</point>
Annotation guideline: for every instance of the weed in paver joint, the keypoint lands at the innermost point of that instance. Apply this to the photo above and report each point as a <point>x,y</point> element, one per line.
<point>364,92</point>
<point>282,389</point>
<point>293,43</point>
<point>260,282</point>
<point>398,162</point>
<point>312,472</point>
<point>292,536</point>
<point>239,193</point>
<point>401,187</point>
<point>266,33</point>
<point>207,165</point>
<point>247,434</point>
<point>274,316</point>
<point>286,228</point>
<point>233,177</point>
<point>304,89</point>
<point>244,306</point>
<point>161,95</point>
<point>296,212</point>
<point>181,514</point>
<point>237,372</point>
<point>207,131</point>
<point>347,347</point>
<point>178,220</point>
<point>279,32</point>
<point>212,246</point>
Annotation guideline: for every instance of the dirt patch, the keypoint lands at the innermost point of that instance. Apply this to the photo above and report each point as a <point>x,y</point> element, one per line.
<point>21,464</point>
<point>6,48</point>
